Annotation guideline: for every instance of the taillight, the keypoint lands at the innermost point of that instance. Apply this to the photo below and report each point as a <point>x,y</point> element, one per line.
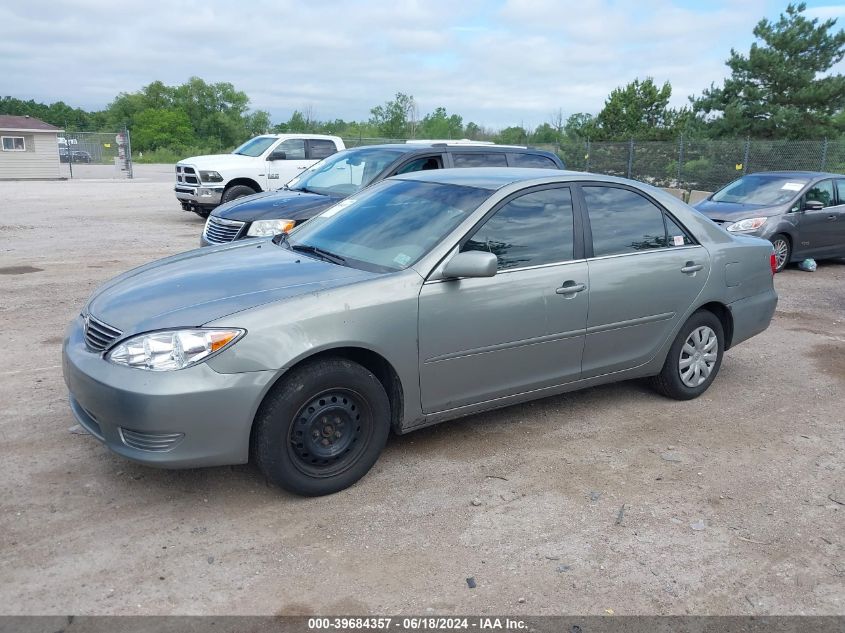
<point>774,263</point>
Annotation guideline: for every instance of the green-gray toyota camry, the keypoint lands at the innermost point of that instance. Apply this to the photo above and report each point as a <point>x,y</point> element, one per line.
<point>423,298</point>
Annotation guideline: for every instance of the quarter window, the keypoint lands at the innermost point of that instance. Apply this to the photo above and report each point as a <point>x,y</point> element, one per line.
<point>479,159</point>
<point>533,229</point>
<point>822,192</point>
<point>624,222</point>
<point>14,144</point>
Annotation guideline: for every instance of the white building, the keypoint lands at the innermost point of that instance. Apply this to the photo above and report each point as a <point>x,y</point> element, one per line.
<point>28,148</point>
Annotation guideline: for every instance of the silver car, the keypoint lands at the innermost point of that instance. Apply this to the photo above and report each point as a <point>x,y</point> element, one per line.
<point>425,297</point>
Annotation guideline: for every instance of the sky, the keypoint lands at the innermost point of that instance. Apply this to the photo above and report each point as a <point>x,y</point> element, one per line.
<point>498,63</point>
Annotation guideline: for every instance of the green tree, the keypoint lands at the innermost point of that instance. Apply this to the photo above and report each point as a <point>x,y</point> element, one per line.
<point>439,125</point>
<point>780,89</point>
<point>545,133</point>
<point>156,128</point>
<point>392,119</point>
<point>638,110</point>
<point>580,126</point>
<point>514,135</point>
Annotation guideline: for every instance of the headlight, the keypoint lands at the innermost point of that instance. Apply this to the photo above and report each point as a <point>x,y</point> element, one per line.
<point>264,228</point>
<point>210,176</point>
<point>175,349</point>
<point>749,224</point>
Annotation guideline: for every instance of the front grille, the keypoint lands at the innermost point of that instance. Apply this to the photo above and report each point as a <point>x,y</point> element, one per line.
<point>98,335</point>
<point>185,174</point>
<point>153,442</point>
<point>220,231</point>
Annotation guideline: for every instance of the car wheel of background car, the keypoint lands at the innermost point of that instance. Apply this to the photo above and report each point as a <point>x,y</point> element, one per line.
<point>322,427</point>
<point>783,251</point>
<point>203,213</point>
<point>236,191</point>
<point>694,358</point>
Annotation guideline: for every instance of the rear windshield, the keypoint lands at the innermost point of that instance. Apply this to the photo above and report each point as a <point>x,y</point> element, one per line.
<point>760,189</point>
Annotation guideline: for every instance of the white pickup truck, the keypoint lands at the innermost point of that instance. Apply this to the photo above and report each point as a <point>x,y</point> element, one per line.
<point>263,163</point>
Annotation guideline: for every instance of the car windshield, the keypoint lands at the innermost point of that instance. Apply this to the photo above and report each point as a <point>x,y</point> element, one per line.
<point>344,173</point>
<point>255,146</point>
<point>760,189</point>
<point>389,226</point>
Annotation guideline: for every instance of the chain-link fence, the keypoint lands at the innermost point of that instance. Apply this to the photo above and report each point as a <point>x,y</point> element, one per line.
<point>700,164</point>
<point>95,154</point>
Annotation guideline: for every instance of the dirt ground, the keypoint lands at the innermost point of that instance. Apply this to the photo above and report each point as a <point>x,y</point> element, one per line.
<point>610,498</point>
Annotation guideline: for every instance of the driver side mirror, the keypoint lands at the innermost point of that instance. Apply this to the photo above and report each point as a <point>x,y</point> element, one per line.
<point>813,205</point>
<point>277,155</point>
<point>471,264</point>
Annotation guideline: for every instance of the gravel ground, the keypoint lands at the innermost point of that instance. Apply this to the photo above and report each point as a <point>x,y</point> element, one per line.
<point>610,498</point>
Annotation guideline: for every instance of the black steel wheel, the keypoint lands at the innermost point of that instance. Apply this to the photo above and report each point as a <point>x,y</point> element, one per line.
<point>322,427</point>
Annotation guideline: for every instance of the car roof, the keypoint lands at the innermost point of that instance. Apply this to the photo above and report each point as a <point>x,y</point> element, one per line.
<point>427,146</point>
<point>493,178</point>
<point>797,174</point>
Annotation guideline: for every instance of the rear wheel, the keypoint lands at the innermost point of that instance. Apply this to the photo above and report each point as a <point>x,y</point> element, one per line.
<point>783,251</point>
<point>236,191</point>
<point>322,428</point>
<point>203,213</point>
<point>694,358</point>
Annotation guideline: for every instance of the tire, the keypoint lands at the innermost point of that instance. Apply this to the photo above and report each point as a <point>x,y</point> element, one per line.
<point>236,191</point>
<point>203,213</point>
<point>678,379</point>
<point>321,428</point>
<point>783,250</point>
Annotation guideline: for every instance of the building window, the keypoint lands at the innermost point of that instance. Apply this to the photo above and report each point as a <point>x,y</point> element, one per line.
<point>14,144</point>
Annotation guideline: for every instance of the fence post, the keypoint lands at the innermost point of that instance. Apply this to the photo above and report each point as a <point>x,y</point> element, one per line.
<point>630,157</point>
<point>824,155</point>
<point>587,166</point>
<point>745,156</point>
<point>129,173</point>
<point>680,161</point>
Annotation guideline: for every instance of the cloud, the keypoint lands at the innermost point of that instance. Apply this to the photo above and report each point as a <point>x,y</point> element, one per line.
<point>496,63</point>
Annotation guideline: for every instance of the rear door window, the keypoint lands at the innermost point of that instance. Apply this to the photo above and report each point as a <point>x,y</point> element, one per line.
<point>532,160</point>
<point>479,159</point>
<point>623,221</point>
<point>320,148</point>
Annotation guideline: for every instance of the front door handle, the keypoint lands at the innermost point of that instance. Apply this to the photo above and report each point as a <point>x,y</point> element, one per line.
<point>691,267</point>
<point>832,218</point>
<point>570,288</point>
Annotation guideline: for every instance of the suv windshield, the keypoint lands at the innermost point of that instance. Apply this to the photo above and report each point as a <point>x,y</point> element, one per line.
<point>255,146</point>
<point>344,173</point>
<point>389,226</point>
<point>761,189</point>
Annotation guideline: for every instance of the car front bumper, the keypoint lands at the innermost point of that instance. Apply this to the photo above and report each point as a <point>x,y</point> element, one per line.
<point>203,196</point>
<point>173,419</point>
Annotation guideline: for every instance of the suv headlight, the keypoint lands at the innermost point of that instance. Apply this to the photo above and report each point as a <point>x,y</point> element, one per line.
<point>265,228</point>
<point>210,176</point>
<point>173,349</point>
<point>749,224</point>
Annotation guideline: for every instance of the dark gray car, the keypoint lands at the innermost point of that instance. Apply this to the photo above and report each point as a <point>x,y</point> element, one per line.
<point>802,213</point>
<point>347,172</point>
<point>423,298</point>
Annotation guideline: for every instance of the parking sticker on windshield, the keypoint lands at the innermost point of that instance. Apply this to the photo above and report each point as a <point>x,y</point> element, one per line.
<point>402,259</point>
<point>678,240</point>
<point>793,186</point>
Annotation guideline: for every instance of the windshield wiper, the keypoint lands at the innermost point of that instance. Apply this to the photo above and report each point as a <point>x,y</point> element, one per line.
<point>334,258</point>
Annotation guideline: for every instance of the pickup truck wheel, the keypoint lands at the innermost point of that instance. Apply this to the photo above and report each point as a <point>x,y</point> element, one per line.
<point>322,428</point>
<point>236,191</point>
<point>203,213</point>
<point>694,358</point>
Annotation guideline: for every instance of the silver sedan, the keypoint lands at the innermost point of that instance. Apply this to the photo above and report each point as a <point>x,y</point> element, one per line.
<point>423,298</point>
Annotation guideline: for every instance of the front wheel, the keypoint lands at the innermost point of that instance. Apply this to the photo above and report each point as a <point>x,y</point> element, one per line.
<point>694,358</point>
<point>236,191</point>
<point>322,427</point>
<point>783,251</point>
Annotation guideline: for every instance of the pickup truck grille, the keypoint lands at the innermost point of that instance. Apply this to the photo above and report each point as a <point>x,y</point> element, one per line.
<point>186,175</point>
<point>220,231</point>
<point>98,335</point>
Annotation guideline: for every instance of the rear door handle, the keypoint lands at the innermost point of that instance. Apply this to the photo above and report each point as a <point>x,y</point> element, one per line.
<point>570,288</point>
<point>691,267</point>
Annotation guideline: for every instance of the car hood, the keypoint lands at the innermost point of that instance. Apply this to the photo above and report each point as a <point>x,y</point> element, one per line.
<point>217,162</point>
<point>275,205</point>
<point>202,285</point>
<point>729,211</point>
